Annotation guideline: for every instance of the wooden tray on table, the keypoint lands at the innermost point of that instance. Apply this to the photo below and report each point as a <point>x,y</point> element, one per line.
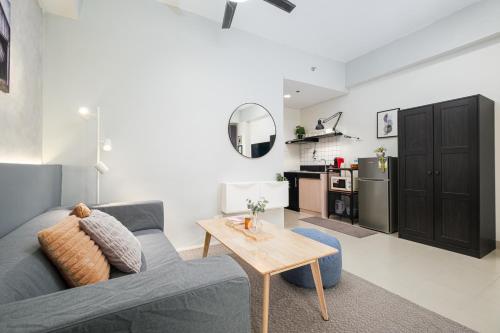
<point>258,236</point>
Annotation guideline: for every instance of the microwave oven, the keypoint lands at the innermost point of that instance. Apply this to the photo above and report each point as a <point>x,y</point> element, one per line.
<point>343,183</point>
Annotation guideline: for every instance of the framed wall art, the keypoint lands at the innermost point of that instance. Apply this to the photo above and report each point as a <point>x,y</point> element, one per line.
<point>387,123</point>
<point>4,45</point>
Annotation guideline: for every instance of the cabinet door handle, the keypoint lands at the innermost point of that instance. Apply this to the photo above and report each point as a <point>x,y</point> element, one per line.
<point>429,173</point>
<point>437,173</point>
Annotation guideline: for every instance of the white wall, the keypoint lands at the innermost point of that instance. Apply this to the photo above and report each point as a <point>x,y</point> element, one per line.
<point>470,25</point>
<point>291,118</point>
<point>473,71</point>
<point>21,108</point>
<point>167,82</point>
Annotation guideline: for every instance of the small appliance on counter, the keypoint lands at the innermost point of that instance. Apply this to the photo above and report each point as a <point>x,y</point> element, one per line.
<point>337,162</point>
<point>355,165</point>
<point>343,183</point>
<point>378,195</point>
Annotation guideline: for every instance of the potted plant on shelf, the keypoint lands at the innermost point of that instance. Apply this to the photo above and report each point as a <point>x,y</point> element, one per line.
<point>300,131</point>
<point>257,208</point>
<point>280,178</point>
<point>382,161</point>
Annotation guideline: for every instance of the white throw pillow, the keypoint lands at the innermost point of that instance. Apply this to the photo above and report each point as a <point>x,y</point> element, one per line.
<point>117,243</point>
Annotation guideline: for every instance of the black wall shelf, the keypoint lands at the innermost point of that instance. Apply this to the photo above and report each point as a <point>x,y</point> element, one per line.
<point>313,138</point>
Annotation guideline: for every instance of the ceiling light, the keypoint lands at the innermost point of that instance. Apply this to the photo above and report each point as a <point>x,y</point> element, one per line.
<point>287,96</point>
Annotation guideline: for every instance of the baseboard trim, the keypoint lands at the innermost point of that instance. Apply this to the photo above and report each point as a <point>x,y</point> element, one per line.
<point>310,212</point>
<point>195,247</point>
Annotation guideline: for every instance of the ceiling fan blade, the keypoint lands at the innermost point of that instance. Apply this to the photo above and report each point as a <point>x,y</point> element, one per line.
<point>229,14</point>
<point>285,5</point>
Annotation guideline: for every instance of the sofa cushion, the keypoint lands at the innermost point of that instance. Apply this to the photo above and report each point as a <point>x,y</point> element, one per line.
<point>76,256</point>
<point>117,243</point>
<point>27,191</point>
<point>157,251</point>
<point>25,271</point>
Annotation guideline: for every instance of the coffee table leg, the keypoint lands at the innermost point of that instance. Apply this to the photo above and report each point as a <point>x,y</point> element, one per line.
<point>319,289</point>
<point>265,303</point>
<point>207,244</point>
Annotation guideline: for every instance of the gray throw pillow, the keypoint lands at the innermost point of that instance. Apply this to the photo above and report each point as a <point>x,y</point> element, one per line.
<point>117,243</point>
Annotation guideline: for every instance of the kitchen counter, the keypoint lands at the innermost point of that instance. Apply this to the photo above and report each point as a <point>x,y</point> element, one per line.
<point>304,171</point>
<point>308,191</point>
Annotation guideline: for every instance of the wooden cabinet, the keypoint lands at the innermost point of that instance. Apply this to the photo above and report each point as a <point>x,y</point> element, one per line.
<point>310,195</point>
<point>416,169</point>
<point>447,175</point>
<point>307,192</point>
<point>456,147</point>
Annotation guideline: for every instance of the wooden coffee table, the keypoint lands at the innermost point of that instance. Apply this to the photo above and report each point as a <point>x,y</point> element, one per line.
<point>284,251</point>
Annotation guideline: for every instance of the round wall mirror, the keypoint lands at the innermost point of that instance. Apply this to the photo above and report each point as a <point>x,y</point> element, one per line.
<point>252,130</point>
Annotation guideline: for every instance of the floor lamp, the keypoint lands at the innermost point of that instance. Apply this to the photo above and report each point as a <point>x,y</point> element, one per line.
<point>105,145</point>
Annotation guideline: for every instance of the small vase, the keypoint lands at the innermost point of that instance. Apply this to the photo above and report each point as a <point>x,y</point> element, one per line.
<point>300,136</point>
<point>382,161</point>
<point>382,164</point>
<point>256,224</point>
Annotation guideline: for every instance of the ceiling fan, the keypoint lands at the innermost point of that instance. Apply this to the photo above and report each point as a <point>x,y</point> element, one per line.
<point>285,5</point>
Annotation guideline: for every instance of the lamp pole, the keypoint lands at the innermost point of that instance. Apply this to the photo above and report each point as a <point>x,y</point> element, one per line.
<point>98,179</point>
<point>100,144</point>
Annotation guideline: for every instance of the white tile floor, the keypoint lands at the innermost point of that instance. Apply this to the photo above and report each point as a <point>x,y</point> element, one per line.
<point>462,288</point>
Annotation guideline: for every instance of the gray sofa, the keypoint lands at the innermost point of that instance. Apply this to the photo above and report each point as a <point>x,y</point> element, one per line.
<point>169,295</point>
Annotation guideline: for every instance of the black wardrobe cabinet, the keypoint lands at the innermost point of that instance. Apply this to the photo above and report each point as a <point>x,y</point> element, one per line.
<point>447,175</point>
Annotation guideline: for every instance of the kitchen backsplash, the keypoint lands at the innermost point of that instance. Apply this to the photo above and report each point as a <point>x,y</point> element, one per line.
<point>327,148</point>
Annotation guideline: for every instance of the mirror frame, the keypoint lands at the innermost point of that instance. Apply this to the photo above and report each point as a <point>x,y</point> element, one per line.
<point>229,131</point>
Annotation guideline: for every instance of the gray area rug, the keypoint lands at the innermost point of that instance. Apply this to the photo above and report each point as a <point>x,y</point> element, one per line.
<point>342,227</point>
<point>354,305</point>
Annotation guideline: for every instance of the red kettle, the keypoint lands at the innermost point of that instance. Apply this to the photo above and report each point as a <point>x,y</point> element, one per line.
<point>338,161</point>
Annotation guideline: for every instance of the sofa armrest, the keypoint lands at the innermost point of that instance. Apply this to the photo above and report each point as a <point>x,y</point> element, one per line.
<point>209,295</point>
<point>136,215</point>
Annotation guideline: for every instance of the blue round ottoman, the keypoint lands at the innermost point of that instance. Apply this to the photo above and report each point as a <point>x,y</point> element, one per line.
<point>331,266</point>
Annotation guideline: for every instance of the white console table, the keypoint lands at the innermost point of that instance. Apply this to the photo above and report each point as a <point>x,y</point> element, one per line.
<point>235,195</point>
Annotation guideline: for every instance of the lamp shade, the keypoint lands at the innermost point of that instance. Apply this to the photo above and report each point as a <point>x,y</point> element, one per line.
<point>320,125</point>
<point>107,145</point>
<point>101,167</point>
<point>84,112</point>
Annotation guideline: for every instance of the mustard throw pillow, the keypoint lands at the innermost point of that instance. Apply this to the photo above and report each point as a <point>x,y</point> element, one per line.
<point>81,210</point>
<point>76,256</point>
